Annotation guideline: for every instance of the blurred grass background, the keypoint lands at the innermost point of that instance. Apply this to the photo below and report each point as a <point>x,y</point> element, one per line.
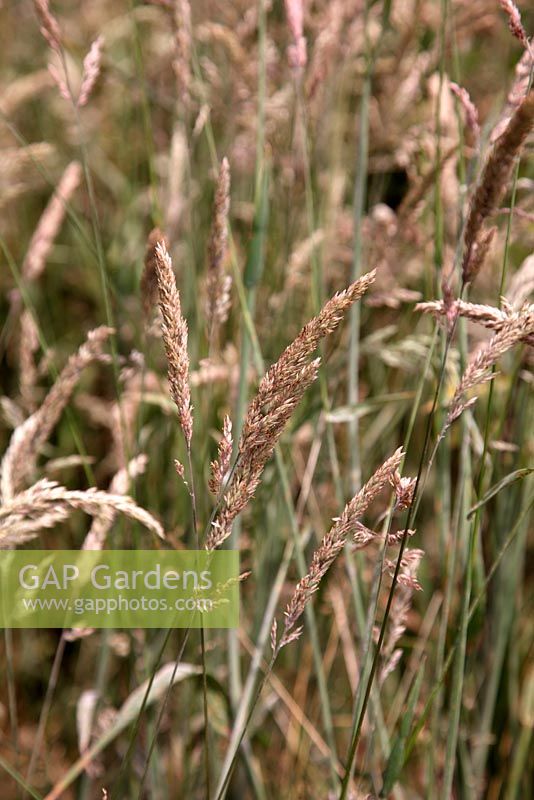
<point>150,140</point>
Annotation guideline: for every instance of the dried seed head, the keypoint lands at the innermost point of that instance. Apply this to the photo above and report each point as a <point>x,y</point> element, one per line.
<point>519,87</point>
<point>400,608</point>
<point>27,440</point>
<point>492,185</point>
<point>28,345</point>
<point>332,544</point>
<point>280,391</point>
<point>49,24</point>
<point>218,284</point>
<point>470,111</point>
<point>296,52</point>
<point>58,76</point>
<point>492,318</point>
<point>180,469</point>
<point>516,328</point>
<point>182,62</point>
<point>174,329</point>
<point>514,21</point>
<point>404,489</point>
<point>50,223</point>
<point>409,564</point>
<point>91,71</point>
<point>254,453</point>
<point>47,503</point>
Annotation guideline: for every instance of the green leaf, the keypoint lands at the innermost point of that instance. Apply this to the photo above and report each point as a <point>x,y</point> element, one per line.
<point>19,779</point>
<point>396,756</point>
<point>358,410</point>
<point>496,488</point>
<point>256,255</point>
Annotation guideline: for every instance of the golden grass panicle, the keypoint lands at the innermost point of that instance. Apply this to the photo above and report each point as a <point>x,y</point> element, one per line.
<point>218,284</point>
<point>50,222</point>
<point>183,46</point>
<point>256,450</point>
<point>518,89</point>
<point>404,490</point>
<point>296,52</point>
<point>295,356</point>
<point>469,110</point>
<point>174,328</point>
<point>490,317</point>
<point>364,535</point>
<point>46,504</point>
<point>280,391</point>
<point>49,25</point>
<point>91,70</point>
<point>28,346</point>
<point>345,527</point>
<point>514,22</point>
<point>21,456</point>
<point>492,185</point>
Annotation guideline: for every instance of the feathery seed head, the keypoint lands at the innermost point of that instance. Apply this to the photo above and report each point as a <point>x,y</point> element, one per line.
<point>218,283</point>
<point>91,71</point>
<point>346,525</point>
<point>174,328</point>
<point>280,391</point>
<point>492,185</point>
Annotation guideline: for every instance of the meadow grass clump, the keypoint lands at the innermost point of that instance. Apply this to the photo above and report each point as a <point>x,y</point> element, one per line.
<point>266,285</point>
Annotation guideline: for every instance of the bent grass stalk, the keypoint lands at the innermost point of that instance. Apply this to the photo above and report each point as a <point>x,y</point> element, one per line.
<point>490,694</point>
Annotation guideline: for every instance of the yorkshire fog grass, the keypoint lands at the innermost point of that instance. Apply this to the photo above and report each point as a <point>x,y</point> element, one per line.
<point>267,283</point>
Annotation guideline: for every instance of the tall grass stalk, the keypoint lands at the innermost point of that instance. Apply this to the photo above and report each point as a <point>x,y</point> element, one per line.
<point>246,290</point>
<point>526,509</point>
<point>358,719</point>
<point>490,692</point>
<point>360,187</point>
